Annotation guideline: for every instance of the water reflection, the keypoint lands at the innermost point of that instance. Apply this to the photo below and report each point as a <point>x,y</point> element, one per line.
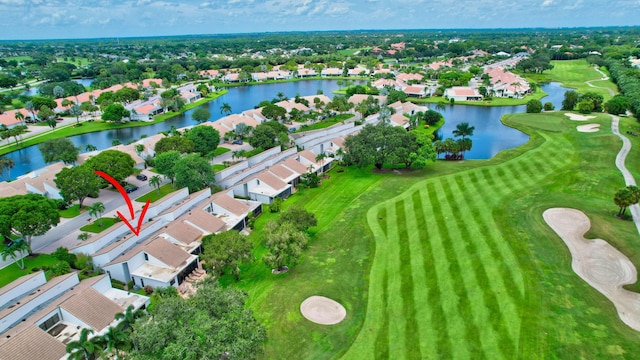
<point>490,136</point>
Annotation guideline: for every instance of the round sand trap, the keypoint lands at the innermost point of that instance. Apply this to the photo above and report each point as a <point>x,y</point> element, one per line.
<point>322,310</point>
<point>589,128</point>
<point>578,117</point>
<point>597,262</point>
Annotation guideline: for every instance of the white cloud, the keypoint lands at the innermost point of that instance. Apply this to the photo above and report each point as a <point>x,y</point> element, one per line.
<point>547,3</point>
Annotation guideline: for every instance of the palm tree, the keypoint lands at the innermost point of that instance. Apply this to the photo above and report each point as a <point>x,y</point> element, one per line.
<point>19,247</point>
<point>75,110</point>
<point>281,96</point>
<point>83,348</point>
<point>97,209</point>
<point>320,158</point>
<point>463,129</point>
<point>20,117</point>
<point>516,85</point>
<point>90,147</point>
<point>127,318</point>
<point>155,181</point>
<point>441,105</point>
<point>31,108</point>
<point>83,236</point>
<point>114,338</point>
<point>225,108</point>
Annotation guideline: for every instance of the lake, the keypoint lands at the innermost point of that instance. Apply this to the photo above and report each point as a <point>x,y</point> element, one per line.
<point>489,138</point>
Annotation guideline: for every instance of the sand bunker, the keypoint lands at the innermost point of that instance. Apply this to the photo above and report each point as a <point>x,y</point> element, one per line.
<point>599,264</point>
<point>322,310</point>
<point>578,117</point>
<point>589,128</point>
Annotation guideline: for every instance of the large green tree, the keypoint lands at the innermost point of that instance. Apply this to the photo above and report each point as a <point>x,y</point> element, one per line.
<point>226,250</point>
<point>214,323</point>
<point>376,145</point>
<point>27,215</point>
<point>78,183</point>
<point>570,100</point>
<point>194,172</point>
<point>61,149</point>
<point>174,143</point>
<point>165,162</point>
<point>263,136</point>
<point>201,115</point>
<point>115,113</point>
<point>205,139</point>
<point>285,243</point>
<point>299,217</point>
<point>117,164</point>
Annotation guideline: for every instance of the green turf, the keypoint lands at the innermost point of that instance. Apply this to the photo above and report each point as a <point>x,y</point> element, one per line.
<point>220,150</point>
<point>13,272</point>
<point>325,123</point>
<point>574,74</point>
<point>156,195</point>
<point>455,261</point>
<point>95,227</point>
<point>72,211</point>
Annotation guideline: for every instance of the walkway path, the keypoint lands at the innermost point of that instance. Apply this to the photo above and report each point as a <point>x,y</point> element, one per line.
<point>620,159</point>
<point>624,151</point>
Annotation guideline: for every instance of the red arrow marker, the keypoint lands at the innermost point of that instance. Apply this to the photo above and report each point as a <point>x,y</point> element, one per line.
<point>124,194</point>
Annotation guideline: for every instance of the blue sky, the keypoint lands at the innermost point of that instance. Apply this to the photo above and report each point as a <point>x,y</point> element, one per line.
<point>47,19</point>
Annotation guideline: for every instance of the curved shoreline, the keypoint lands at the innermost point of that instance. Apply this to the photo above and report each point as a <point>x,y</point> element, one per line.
<point>56,133</point>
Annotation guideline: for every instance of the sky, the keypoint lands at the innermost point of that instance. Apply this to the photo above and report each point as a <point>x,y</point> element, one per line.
<point>64,19</point>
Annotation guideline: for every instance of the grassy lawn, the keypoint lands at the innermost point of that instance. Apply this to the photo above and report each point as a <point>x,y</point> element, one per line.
<point>325,123</point>
<point>12,272</point>
<point>72,211</point>
<point>349,52</point>
<point>95,227</point>
<point>218,167</point>
<point>574,73</point>
<point>154,195</point>
<point>496,101</point>
<point>220,150</point>
<point>455,261</point>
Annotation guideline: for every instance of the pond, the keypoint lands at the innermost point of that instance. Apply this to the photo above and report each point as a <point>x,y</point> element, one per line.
<point>490,136</point>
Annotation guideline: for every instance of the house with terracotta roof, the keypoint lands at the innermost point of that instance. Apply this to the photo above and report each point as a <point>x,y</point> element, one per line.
<point>358,71</point>
<point>8,118</point>
<point>39,317</point>
<point>303,73</point>
<point>463,93</point>
<point>291,104</point>
<point>504,83</point>
<point>331,72</point>
<point>399,119</point>
<point>409,77</point>
<point>356,99</point>
<point>209,74</point>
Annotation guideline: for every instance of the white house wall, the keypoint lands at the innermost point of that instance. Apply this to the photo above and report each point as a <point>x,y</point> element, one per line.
<point>70,318</point>
<point>38,301</point>
<point>167,203</point>
<point>24,288</point>
<point>91,248</point>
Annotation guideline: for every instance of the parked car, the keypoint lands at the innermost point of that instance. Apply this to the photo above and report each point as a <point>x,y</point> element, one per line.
<point>130,188</point>
<point>141,177</point>
<point>237,142</point>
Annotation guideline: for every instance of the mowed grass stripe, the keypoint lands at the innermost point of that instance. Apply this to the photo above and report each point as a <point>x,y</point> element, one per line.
<point>458,266</point>
<point>381,348</point>
<point>407,235</point>
<point>395,301</point>
<point>493,285</point>
<point>425,289</point>
<point>489,197</point>
<point>452,324</point>
<point>470,260</point>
